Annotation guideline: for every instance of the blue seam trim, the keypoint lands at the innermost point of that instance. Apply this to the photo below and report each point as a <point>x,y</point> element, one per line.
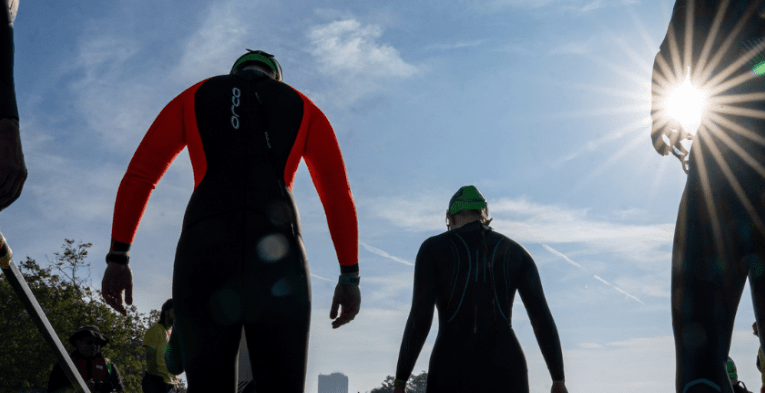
<point>492,279</point>
<point>470,265</point>
<point>701,380</point>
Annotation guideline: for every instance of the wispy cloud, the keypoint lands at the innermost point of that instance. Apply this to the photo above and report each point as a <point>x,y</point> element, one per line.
<point>212,49</point>
<point>530,222</point>
<point>455,45</point>
<point>382,253</point>
<point>321,278</point>
<point>350,54</point>
<point>575,6</point>
<point>595,276</point>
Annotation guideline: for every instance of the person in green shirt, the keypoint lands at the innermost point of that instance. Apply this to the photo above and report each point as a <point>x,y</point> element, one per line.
<point>157,379</point>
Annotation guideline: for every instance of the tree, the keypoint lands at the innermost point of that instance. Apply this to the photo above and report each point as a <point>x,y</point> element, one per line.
<point>416,384</point>
<point>69,302</point>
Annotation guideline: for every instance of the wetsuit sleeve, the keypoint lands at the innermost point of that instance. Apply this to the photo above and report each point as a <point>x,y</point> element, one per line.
<point>8,108</point>
<point>325,163</point>
<point>533,298</point>
<point>158,149</point>
<point>421,315</point>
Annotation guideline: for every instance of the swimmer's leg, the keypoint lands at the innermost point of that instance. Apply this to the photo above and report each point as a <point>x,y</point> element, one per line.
<point>209,349</point>
<point>706,289</point>
<point>277,317</point>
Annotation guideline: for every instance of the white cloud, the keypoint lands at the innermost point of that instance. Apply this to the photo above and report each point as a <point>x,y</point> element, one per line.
<point>213,48</point>
<point>529,222</point>
<point>103,60</point>
<point>632,366</point>
<point>575,6</point>
<point>456,45</point>
<point>349,53</point>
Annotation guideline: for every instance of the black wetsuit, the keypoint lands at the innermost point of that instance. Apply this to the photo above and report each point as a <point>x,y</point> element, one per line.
<point>471,275</point>
<point>8,108</point>
<point>720,232</point>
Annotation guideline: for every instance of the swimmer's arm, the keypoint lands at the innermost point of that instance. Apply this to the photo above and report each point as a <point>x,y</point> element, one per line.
<point>533,298</point>
<point>420,316</point>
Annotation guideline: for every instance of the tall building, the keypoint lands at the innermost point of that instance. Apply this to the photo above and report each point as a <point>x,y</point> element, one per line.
<point>333,383</point>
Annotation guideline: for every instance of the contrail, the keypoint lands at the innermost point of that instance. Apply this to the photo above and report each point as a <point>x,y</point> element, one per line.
<point>382,253</point>
<point>560,254</point>
<point>321,278</point>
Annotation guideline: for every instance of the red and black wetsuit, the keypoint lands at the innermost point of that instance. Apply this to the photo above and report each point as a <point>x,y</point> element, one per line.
<point>8,108</point>
<point>240,258</point>
<point>471,274</point>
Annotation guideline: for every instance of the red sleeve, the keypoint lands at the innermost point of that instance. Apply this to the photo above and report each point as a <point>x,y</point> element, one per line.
<point>317,144</point>
<point>158,149</point>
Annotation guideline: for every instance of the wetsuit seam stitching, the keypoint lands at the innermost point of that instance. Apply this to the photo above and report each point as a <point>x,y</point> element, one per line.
<point>467,281</point>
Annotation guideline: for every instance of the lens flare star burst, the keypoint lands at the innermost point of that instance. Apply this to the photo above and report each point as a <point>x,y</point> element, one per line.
<point>687,104</point>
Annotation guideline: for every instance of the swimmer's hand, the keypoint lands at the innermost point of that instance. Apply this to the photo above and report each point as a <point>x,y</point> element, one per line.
<point>559,387</point>
<point>117,278</point>
<point>349,297</point>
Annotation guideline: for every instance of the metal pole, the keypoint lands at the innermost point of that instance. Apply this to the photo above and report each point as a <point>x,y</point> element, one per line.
<point>16,279</point>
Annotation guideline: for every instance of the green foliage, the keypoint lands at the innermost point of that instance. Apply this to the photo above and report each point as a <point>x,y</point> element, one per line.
<point>416,384</point>
<point>69,302</point>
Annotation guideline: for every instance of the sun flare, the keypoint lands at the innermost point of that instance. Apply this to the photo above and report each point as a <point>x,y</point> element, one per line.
<point>686,104</point>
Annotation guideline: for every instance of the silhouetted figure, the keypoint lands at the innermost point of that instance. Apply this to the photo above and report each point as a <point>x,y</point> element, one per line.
<point>13,172</point>
<point>240,260</point>
<point>471,274</point>
<point>720,232</point>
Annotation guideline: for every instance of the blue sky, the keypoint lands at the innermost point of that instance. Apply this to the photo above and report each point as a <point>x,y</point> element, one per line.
<point>542,104</point>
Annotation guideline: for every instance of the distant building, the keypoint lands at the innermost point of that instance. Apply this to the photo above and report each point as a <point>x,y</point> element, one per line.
<point>333,383</point>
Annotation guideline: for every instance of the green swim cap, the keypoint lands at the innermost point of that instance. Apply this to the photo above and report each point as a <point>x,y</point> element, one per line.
<point>260,57</point>
<point>467,198</point>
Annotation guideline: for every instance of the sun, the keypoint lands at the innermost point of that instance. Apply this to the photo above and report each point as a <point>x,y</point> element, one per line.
<point>687,104</point>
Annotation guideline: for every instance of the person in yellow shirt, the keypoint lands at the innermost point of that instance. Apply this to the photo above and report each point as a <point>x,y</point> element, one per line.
<point>156,378</point>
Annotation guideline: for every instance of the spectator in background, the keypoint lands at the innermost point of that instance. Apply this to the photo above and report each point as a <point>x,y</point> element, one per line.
<point>157,378</point>
<point>99,373</point>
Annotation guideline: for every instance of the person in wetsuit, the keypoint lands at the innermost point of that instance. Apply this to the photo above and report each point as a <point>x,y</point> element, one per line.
<point>471,274</point>
<point>13,172</point>
<point>240,260</point>
<point>720,232</point>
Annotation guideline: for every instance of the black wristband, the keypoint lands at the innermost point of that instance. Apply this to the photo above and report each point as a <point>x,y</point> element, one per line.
<point>349,280</point>
<point>119,257</point>
<point>118,253</point>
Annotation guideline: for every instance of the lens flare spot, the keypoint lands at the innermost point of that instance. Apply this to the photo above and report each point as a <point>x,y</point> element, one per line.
<point>686,104</point>
<point>281,288</point>
<point>273,247</point>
